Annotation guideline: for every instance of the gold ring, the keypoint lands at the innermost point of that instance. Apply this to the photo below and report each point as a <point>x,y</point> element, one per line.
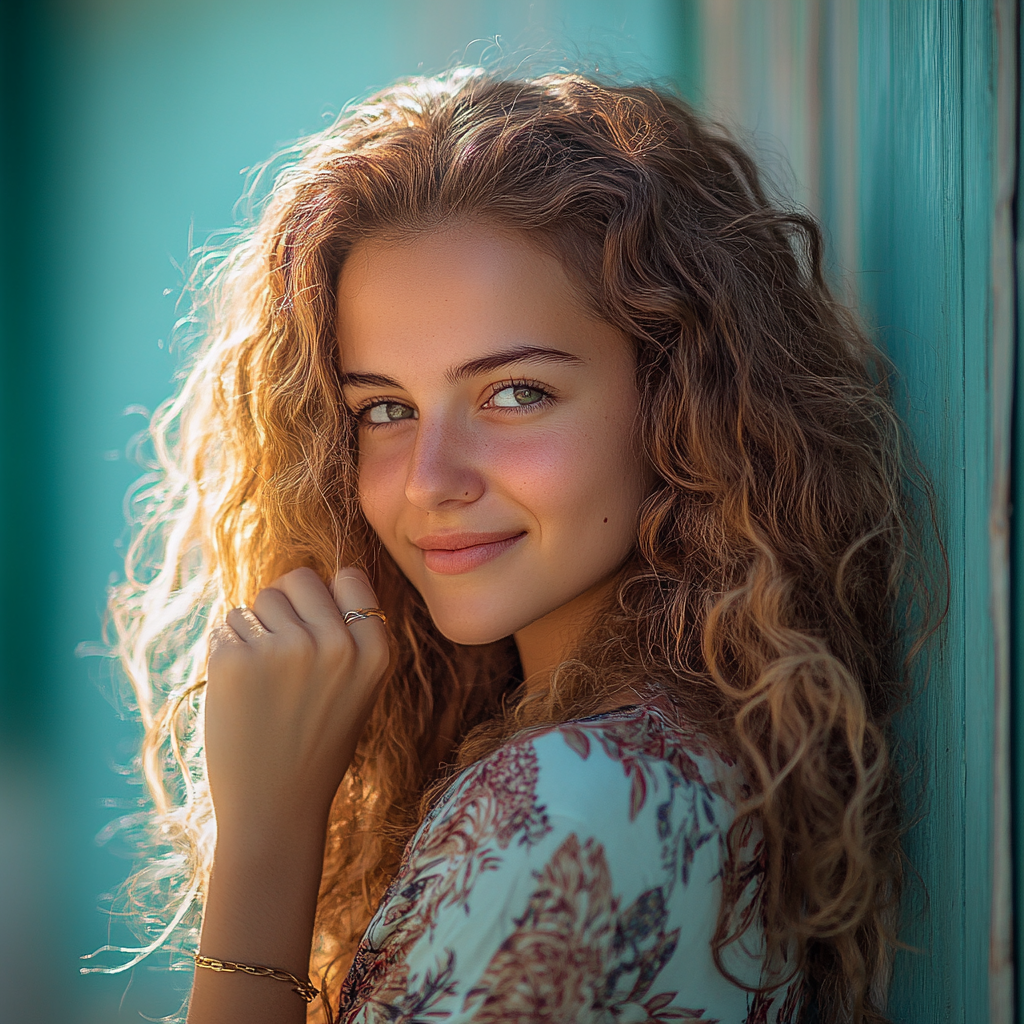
<point>363,613</point>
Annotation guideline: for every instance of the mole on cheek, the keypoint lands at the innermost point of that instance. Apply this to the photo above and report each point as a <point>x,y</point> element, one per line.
<point>606,519</point>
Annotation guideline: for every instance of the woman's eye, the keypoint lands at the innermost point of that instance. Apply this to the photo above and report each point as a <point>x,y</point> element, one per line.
<point>388,412</point>
<point>517,395</point>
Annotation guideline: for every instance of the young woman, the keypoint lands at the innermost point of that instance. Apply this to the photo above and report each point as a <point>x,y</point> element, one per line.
<point>533,508</point>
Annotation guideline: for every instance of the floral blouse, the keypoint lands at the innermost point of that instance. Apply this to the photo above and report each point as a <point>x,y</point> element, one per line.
<point>573,875</point>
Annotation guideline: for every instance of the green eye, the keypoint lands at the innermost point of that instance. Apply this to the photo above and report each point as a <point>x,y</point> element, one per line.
<point>389,412</point>
<point>517,395</point>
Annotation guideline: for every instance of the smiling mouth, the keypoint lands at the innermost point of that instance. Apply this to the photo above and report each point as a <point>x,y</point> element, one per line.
<point>451,561</point>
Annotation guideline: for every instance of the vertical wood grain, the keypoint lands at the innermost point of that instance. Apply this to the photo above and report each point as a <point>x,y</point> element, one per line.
<point>913,284</point>
<point>1002,290</point>
<point>902,176</point>
<point>1017,553</point>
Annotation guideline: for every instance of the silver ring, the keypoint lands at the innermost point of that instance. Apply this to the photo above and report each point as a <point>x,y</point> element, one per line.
<point>363,613</point>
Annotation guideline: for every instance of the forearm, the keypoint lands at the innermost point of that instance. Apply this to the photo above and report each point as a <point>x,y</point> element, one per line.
<point>259,910</point>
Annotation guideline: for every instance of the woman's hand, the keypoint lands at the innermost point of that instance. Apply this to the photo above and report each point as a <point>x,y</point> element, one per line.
<point>289,690</point>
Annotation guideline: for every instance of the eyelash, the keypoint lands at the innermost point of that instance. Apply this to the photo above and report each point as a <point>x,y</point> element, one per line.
<point>533,385</point>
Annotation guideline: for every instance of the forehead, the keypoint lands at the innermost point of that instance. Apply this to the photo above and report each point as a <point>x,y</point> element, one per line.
<point>456,293</point>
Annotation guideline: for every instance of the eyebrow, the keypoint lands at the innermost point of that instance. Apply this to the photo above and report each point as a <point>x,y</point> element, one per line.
<point>485,364</point>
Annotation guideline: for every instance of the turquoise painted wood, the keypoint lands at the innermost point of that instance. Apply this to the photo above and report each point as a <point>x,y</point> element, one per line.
<point>1017,542</point>
<point>882,114</point>
<point>924,260</point>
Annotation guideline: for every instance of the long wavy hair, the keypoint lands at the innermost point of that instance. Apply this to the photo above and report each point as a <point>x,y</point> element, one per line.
<point>769,596</point>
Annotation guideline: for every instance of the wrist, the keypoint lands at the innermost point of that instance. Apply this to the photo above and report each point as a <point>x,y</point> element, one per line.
<point>262,896</point>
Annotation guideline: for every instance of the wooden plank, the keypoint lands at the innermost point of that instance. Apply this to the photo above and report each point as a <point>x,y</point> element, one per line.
<point>1002,292</point>
<point>976,105</point>
<point>840,169</point>
<point>912,283</point>
<point>938,120</point>
<point>1017,555</point>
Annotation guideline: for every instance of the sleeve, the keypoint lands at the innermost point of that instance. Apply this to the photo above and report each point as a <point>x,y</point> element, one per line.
<point>542,889</point>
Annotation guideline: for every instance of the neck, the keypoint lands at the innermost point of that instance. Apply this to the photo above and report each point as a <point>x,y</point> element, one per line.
<point>545,643</point>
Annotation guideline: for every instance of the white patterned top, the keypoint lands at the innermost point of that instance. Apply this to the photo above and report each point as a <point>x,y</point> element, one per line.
<point>574,875</point>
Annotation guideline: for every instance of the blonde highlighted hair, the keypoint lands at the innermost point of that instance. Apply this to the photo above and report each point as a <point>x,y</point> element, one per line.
<point>768,589</point>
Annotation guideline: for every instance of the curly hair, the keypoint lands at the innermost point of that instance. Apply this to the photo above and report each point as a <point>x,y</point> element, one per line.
<point>768,592</point>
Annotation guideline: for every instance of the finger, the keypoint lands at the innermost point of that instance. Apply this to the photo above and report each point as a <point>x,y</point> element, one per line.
<point>352,590</point>
<point>245,623</point>
<point>274,610</point>
<point>310,599</point>
<point>224,636</point>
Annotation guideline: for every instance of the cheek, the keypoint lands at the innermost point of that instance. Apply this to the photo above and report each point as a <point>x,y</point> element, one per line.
<point>573,479</point>
<point>381,489</point>
<point>532,467</point>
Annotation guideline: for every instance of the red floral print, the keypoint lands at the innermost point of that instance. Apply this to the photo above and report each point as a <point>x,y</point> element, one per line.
<point>511,902</point>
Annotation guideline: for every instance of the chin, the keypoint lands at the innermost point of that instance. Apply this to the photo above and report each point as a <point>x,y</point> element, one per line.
<point>477,627</point>
<point>471,634</point>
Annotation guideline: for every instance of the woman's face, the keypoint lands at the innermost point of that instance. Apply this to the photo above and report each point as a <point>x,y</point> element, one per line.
<point>495,423</point>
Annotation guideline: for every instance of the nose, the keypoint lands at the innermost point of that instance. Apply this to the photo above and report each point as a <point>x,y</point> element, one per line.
<point>442,474</point>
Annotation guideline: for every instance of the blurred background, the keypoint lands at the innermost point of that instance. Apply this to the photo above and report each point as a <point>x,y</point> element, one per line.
<point>128,126</point>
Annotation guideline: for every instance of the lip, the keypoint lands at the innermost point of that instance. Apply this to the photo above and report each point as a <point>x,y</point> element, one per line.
<point>450,554</point>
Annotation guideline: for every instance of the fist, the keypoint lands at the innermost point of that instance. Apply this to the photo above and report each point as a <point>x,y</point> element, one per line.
<point>290,687</point>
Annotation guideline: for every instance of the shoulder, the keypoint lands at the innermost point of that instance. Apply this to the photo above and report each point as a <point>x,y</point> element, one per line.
<point>606,769</point>
<point>629,798</point>
<point>590,852</point>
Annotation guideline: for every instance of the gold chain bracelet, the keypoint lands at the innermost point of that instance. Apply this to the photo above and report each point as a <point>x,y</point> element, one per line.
<point>306,989</point>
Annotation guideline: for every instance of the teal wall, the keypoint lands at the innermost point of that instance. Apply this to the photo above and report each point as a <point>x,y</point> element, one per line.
<point>888,116</point>
<point>925,105</point>
<point>1017,555</point>
<point>891,115</point>
<point>126,124</point>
